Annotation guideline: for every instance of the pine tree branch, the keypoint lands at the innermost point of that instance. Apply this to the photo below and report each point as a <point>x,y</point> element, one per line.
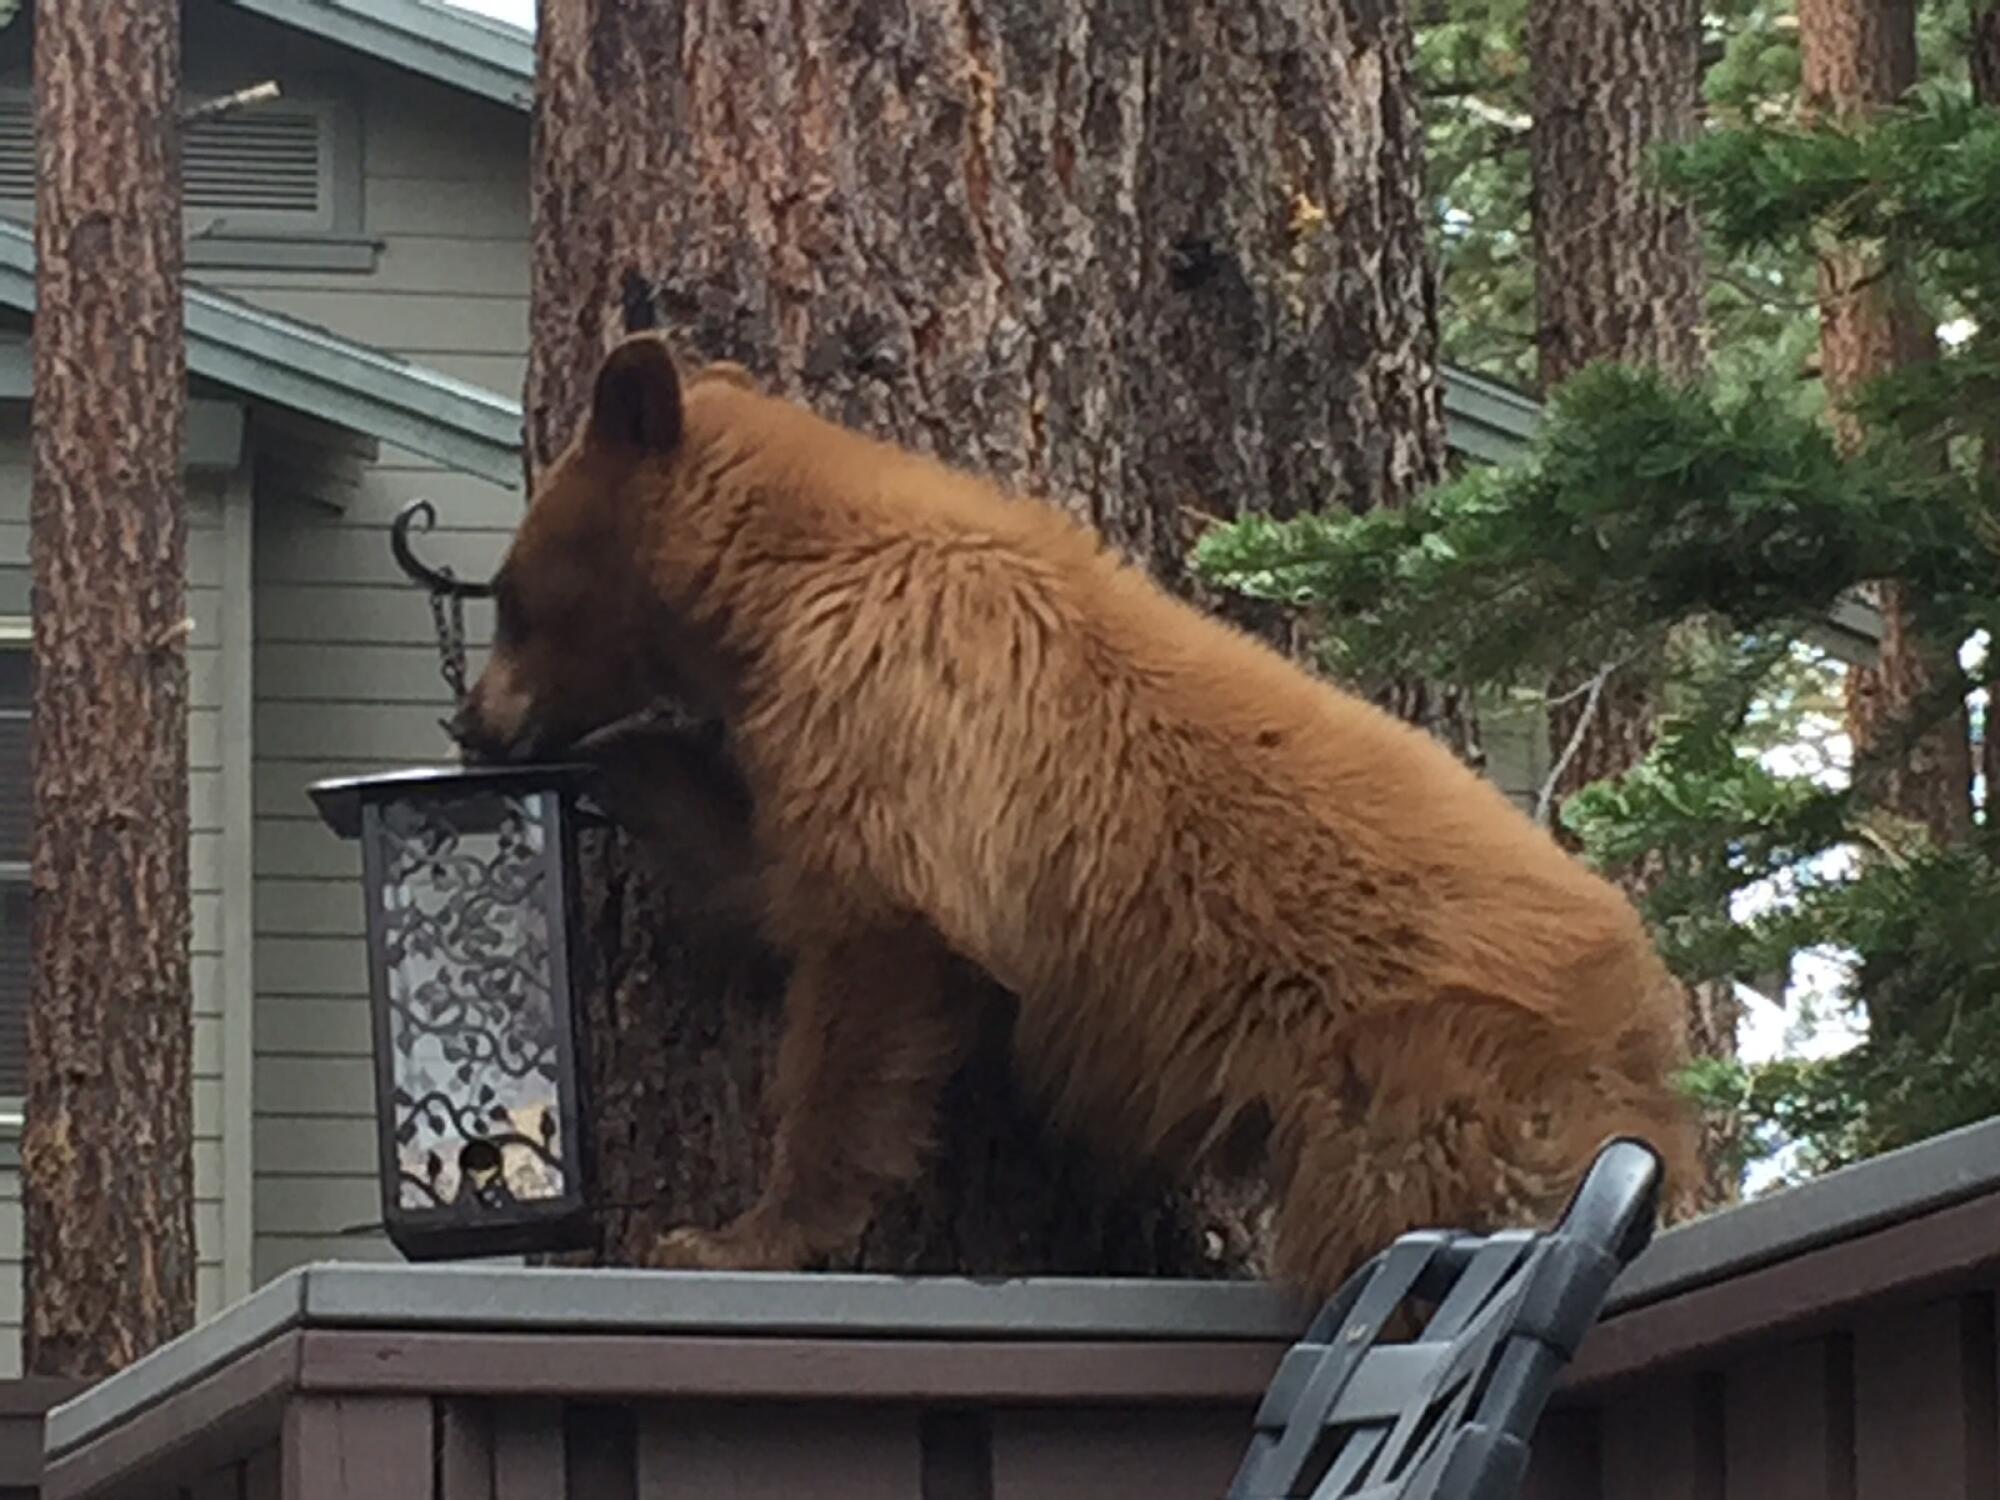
<point>229,104</point>
<point>1545,801</point>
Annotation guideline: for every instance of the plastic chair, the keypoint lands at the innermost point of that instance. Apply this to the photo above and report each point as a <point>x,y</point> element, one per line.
<point>1448,1416</point>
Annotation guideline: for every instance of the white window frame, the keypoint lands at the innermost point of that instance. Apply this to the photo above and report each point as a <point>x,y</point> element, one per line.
<point>16,634</point>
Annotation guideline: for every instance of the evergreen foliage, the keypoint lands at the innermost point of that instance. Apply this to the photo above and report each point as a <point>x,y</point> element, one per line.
<point>1705,532</point>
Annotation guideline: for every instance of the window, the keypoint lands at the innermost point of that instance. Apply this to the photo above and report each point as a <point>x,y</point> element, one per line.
<point>276,186</point>
<point>14,805</point>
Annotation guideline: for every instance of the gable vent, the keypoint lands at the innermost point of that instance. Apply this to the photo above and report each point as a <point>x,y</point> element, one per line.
<point>17,149</point>
<point>267,162</point>
<point>262,161</point>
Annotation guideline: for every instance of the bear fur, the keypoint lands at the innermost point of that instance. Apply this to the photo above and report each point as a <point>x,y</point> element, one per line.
<point>1223,890</point>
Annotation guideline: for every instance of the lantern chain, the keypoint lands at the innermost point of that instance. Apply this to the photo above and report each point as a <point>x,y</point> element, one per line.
<point>448,618</point>
<point>447,593</point>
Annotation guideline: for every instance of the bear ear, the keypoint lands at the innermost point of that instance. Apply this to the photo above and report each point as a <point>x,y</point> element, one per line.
<point>637,402</point>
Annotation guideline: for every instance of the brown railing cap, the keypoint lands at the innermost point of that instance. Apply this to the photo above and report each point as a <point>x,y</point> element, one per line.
<point>1889,1189</point>
<point>475,1299</point>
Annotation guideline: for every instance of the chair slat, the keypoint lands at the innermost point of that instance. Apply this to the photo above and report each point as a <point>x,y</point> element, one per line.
<point>1448,1415</point>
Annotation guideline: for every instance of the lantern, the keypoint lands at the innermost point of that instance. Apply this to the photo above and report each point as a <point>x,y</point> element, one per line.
<point>470,882</point>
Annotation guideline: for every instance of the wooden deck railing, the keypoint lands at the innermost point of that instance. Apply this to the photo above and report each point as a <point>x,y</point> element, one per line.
<point>1832,1343</point>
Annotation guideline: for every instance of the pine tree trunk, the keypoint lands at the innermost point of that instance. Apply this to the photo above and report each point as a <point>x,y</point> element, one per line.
<point>1985,52</point>
<point>1618,272</point>
<point>1859,56</point>
<point>107,1174</point>
<point>1157,263</point>
<point>1618,277</point>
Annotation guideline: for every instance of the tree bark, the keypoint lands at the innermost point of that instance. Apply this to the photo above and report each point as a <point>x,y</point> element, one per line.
<point>1618,278</point>
<point>1618,272</point>
<point>1859,57</point>
<point>107,1169</point>
<point>1985,52</point>
<point>1157,263</point>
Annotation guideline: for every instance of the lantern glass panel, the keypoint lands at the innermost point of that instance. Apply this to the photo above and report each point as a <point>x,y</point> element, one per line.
<point>476,1006</point>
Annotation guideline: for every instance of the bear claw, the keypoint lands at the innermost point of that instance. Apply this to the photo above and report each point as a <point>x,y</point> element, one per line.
<point>715,1250</point>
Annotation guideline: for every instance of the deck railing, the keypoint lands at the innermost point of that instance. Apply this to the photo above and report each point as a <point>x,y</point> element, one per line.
<point>1836,1342</point>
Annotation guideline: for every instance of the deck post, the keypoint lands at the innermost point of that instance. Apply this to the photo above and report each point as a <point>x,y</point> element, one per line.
<point>357,1448</point>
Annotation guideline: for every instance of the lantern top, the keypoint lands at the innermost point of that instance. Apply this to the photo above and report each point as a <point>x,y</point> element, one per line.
<point>341,799</point>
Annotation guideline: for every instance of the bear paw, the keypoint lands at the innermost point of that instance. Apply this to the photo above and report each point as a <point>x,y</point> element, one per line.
<point>719,1250</point>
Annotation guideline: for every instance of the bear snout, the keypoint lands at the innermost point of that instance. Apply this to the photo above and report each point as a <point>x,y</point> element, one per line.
<point>476,741</point>
<point>499,721</point>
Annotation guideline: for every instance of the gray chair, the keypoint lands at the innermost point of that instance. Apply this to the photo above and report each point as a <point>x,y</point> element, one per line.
<point>1449,1415</point>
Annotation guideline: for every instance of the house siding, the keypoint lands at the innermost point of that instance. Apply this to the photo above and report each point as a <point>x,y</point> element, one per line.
<point>345,666</point>
<point>347,681</point>
<point>1516,740</point>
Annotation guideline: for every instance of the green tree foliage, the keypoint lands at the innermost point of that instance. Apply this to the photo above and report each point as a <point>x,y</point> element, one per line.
<point>1641,505</point>
<point>1707,532</point>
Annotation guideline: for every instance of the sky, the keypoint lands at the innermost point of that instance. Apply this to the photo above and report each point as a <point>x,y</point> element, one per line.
<point>520,12</point>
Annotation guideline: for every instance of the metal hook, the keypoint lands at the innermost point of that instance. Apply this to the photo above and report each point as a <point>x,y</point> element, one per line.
<point>448,596</point>
<point>437,580</point>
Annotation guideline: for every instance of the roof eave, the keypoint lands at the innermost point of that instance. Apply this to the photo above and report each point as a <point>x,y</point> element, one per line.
<point>1487,420</point>
<point>475,433</point>
<point>291,364</point>
<point>483,57</point>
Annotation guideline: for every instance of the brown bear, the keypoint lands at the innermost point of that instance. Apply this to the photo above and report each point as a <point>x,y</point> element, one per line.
<point>1220,888</point>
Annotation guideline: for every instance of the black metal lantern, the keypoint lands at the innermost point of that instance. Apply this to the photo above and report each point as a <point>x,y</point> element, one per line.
<point>471,892</point>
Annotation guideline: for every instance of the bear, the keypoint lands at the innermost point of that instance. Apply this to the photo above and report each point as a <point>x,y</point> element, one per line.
<point>1221,888</point>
